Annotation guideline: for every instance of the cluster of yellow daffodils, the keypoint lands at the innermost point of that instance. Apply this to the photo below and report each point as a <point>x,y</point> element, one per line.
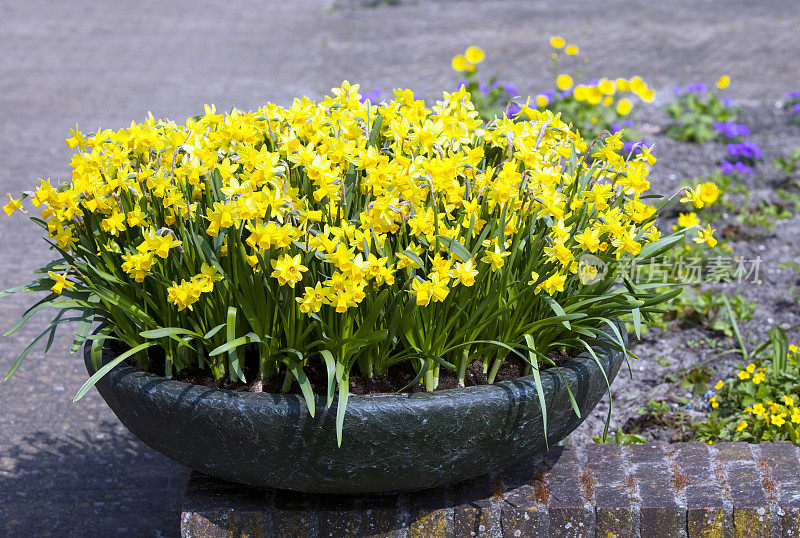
<point>308,184</point>
<point>358,234</point>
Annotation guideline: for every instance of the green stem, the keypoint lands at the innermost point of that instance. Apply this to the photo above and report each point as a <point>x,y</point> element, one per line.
<point>495,368</point>
<point>462,367</point>
<point>429,379</point>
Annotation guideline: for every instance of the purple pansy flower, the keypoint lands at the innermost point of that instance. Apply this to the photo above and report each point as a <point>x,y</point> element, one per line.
<point>513,110</point>
<point>729,167</point>
<point>748,150</point>
<point>731,129</point>
<point>510,88</point>
<point>371,96</point>
<point>699,87</point>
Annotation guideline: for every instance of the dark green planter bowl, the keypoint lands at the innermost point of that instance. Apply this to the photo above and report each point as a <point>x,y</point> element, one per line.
<point>394,442</point>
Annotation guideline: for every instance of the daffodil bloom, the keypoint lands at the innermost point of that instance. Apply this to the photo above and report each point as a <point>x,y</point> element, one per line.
<point>60,282</point>
<point>554,283</point>
<point>688,220</point>
<point>708,192</point>
<point>183,295</point>
<point>313,299</point>
<point>162,244</point>
<point>693,196</point>
<point>706,236</point>
<point>464,272</point>
<point>13,205</point>
<point>495,258</point>
<point>422,289</point>
<point>288,270</point>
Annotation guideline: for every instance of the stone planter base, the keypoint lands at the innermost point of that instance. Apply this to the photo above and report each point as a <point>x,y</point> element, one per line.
<point>728,489</point>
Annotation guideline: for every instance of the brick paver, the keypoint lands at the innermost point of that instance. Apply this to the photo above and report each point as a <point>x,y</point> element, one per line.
<point>653,501</point>
<point>70,469</point>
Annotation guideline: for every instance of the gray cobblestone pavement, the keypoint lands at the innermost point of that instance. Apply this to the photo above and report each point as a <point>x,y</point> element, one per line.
<point>70,469</point>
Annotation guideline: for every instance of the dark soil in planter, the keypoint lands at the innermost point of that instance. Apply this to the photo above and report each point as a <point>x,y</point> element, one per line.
<point>391,382</point>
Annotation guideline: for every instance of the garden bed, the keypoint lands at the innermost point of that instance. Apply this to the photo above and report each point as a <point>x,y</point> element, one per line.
<point>667,357</point>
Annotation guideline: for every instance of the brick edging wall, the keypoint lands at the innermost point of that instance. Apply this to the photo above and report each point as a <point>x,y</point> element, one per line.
<point>651,490</point>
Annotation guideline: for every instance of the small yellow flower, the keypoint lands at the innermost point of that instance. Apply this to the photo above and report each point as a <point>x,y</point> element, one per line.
<point>719,385</point>
<point>495,258</point>
<point>778,420</point>
<point>13,205</point>
<point>708,192</point>
<point>759,410</point>
<point>557,42</point>
<point>706,236</point>
<point>758,378</point>
<point>288,270</point>
<point>61,282</point>
<point>788,401</point>
<point>465,272</point>
<point>459,62</point>
<point>741,425</point>
<point>624,107</point>
<point>563,82</point>
<point>751,368</point>
<point>796,415</point>
<point>744,375</point>
<point>474,55</point>
<point>688,220</point>
<point>422,289</point>
<point>723,82</point>
<point>572,50</point>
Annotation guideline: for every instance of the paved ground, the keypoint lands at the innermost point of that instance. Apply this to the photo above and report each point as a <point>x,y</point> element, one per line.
<point>69,469</point>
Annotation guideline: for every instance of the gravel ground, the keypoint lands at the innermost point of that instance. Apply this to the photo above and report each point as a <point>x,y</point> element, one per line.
<point>776,295</point>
